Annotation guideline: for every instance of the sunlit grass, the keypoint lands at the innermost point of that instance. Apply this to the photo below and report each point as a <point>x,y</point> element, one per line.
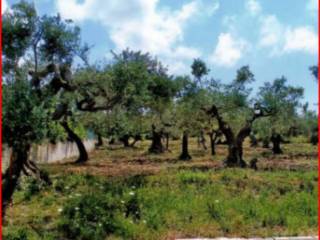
<point>179,199</point>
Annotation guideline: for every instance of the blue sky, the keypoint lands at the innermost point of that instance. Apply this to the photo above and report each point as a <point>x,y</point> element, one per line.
<point>274,37</point>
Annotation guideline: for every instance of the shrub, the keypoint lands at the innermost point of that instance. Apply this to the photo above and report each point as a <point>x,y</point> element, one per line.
<point>33,186</point>
<point>91,216</point>
<point>16,234</point>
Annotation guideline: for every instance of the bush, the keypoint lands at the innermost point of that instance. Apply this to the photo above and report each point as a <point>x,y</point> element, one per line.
<point>32,187</point>
<point>16,234</point>
<point>91,216</point>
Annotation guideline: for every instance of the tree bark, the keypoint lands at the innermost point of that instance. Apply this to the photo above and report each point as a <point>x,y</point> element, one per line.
<point>185,151</point>
<point>167,141</point>
<point>212,144</point>
<point>83,155</point>
<point>235,149</point>
<point>265,143</point>
<point>11,177</point>
<point>100,141</point>
<point>213,135</point>
<point>125,140</point>
<point>156,145</point>
<point>276,140</point>
<point>314,139</point>
<point>136,139</point>
<point>112,141</point>
<point>202,140</point>
<point>253,141</point>
<point>234,158</point>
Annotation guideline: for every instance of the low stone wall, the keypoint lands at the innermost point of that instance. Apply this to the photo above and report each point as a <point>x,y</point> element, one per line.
<point>50,153</point>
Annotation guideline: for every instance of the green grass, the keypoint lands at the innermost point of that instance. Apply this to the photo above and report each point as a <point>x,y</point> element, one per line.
<point>130,194</point>
<point>185,203</point>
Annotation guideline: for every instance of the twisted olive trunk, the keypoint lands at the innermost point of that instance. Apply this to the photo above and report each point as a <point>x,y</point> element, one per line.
<point>212,144</point>
<point>100,141</point>
<point>213,136</point>
<point>276,140</point>
<point>125,140</point>
<point>235,148</point>
<point>202,140</point>
<point>10,178</point>
<point>156,145</point>
<point>83,155</point>
<point>185,150</point>
<point>167,141</point>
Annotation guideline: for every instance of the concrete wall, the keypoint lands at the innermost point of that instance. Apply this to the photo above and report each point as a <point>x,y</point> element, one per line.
<point>50,153</point>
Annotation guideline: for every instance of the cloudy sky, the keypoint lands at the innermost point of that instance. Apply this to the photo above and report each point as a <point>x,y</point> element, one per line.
<point>274,37</point>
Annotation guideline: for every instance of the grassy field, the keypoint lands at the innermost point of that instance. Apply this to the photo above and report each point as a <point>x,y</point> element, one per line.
<point>130,194</point>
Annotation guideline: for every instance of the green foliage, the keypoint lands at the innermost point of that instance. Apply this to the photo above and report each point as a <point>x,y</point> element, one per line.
<point>90,216</point>
<point>61,39</point>
<point>18,27</point>
<point>199,69</point>
<point>282,99</point>
<point>17,234</point>
<point>56,132</point>
<point>230,201</point>
<point>314,71</point>
<point>25,118</point>
<point>33,187</point>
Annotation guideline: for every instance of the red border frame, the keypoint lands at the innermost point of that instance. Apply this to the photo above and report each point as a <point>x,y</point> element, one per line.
<point>318,124</point>
<point>1,120</point>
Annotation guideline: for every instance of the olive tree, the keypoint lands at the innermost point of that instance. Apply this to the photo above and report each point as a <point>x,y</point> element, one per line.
<point>231,108</point>
<point>37,56</point>
<point>284,100</point>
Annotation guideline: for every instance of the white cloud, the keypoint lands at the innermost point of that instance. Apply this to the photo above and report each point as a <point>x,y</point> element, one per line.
<point>140,24</point>
<point>253,6</point>
<point>228,50</point>
<point>271,31</point>
<point>4,6</point>
<point>301,39</point>
<point>286,39</point>
<point>213,8</point>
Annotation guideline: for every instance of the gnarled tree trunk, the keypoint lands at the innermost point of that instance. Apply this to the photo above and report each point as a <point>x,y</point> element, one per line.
<point>212,144</point>
<point>276,140</point>
<point>185,151</point>
<point>213,135</point>
<point>234,158</point>
<point>167,141</point>
<point>136,139</point>
<point>125,140</point>
<point>202,140</point>
<point>100,141</point>
<point>156,145</point>
<point>253,140</point>
<point>235,148</point>
<point>83,155</point>
<point>11,176</point>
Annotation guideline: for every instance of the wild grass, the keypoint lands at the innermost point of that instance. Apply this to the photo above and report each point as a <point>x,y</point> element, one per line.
<point>186,203</point>
<point>179,200</point>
